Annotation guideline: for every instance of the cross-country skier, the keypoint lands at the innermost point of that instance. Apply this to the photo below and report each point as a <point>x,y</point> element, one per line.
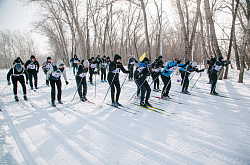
<point>32,66</point>
<point>185,72</point>
<point>131,63</point>
<point>211,63</point>
<point>81,80</point>
<point>104,65</point>
<point>16,74</point>
<point>92,66</point>
<point>113,78</point>
<point>170,67</point>
<point>46,66</point>
<point>156,71</point>
<point>74,62</point>
<point>141,73</point>
<point>98,62</point>
<point>18,60</point>
<point>54,76</point>
<point>215,69</point>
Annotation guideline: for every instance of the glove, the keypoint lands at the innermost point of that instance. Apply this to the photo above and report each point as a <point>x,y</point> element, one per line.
<point>178,61</point>
<point>27,82</point>
<point>47,82</point>
<point>202,70</point>
<point>66,82</point>
<point>9,83</point>
<point>95,72</point>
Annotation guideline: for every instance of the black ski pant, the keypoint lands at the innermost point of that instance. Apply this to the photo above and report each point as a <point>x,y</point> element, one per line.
<point>53,84</point>
<point>213,81</point>
<point>113,85</point>
<point>33,74</point>
<point>15,79</point>
<point>131,73</point>
<point>82,86</point>
<point>167,85</point>
<point>103,74</point>
<point>156,81</point>
<point>185,81</point>
<point>144,88</point>
<point>209,76</point>
<point>90,77</point>
<point>98,69</point>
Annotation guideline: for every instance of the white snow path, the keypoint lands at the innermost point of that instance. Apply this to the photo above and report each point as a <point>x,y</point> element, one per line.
<point>204,129</point>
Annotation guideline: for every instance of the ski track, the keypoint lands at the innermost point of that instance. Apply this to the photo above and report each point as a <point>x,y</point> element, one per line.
<point>205,130</point>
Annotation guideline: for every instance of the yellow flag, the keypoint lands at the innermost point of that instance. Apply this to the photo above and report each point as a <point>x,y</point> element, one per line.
<point>143,56</point>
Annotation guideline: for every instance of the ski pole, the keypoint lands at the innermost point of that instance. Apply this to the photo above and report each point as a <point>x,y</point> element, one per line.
<point>126,77</point>
<point>77,89</point>
<point>3,89</point>
<point>108,89</point>
<point>192,77</point>
<point>195,82</point>
<point>95,85</point>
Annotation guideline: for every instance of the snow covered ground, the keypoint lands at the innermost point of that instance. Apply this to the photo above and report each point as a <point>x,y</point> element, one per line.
<point>204,129</point>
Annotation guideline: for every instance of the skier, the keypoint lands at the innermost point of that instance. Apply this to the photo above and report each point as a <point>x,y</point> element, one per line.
<point>215,69</point>
<point>113,78</point>
<point>156,71</point>
<point>211,63</point>
<point>92,69</point>
<point>170,67</point>
<point>74,62</point>
<point>185,72</point>
<point>81,80</point>
<point>131,63</point>
<point>141,73</point>
<point>16,74</point>
<point>18,60</point>
<point>54,76</point>
<point>98,62</point>
<point>47,65</point>
<point>104,65</point>
<point>32,66</point>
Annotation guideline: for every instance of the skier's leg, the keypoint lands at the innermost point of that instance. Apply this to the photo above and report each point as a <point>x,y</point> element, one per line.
<point>78,79</point>
<point>22,82</point>
<point>53,95</point>
<point>112,90</point>
<point>148,89</point>
<point>14,82</point>
<point>59,89</point>
<point>104,72</point>
<point>35,79</point>
<point>169,86</point>
<point>143,91</point>
<point>30,80</point>
<point>84,86</point>
<point>118,89</point>
<point>90,77</point>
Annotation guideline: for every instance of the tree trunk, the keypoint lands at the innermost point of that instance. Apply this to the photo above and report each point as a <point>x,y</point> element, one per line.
<point>243,51</point>
<point>232,34</point>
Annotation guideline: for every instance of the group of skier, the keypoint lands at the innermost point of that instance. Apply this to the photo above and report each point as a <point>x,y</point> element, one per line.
<point>92,66</point>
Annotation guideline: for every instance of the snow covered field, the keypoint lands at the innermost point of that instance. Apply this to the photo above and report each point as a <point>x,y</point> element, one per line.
<point>204,129</point>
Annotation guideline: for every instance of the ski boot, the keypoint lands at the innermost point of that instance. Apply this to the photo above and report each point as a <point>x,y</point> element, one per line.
<point>85,98</point>
<point>53,103</point>
<point>25,97</point>
<point>36,87</point>
<point>16,98</point>
<point>114,105</point>
<point>155,90</point>
<point>118,104</point>
<point>143,104</point>
<point>82,99</point>
<point>105,80</point>
<point>32,88</point>
<point>60,102</point>
<point>147,103</point>
<point>102,81</point>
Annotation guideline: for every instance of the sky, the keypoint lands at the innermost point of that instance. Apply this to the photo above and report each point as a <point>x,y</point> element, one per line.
<point>15,15</point>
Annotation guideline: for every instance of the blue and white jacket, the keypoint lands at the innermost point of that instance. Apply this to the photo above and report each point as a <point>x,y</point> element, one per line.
<point>170,68</point>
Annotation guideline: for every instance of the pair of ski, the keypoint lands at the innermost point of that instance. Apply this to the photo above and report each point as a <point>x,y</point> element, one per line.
<point>125,108</point>
<point>168,99</point>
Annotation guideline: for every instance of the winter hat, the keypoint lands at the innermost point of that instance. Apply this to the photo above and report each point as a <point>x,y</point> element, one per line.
<point>86,63</point>
<point>104,56</point>
<point>75,56</point>
<point>48,58</point>
<point>194,64</point>
<point>18,67</point>
<point>108,57</point>
<point>117,56</point>
<point>32,56</point>
<point>145,59</point>
<point>159,57</point>
<point>221,58</point>
<point>133,56</point>
<point>98,56</point>
<point>92,58</point>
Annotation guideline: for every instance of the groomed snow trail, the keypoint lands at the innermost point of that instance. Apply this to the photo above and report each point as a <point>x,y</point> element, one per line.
<point>204,129</point>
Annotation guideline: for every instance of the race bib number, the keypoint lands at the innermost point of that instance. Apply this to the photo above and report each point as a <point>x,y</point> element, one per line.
<point>93,65</point>
<point>117,70</point>
<point>173,68</point>
<point>82,75</point>
<point>139,69</point>
<point>105,64</point>
<point>156,70</point>
<point>48,66</point>
<point>32,66</point>
<point>56,74</point>
<point>217,68</point>
<point>132,63</point>
<point>75,61</point>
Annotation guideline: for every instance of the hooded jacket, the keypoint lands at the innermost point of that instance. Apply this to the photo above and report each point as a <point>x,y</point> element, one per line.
<point>18,60</point>
<point>15,73</point>
<point>82,71</point>
<point>141,71</point>
<point>114,69</point>
<point>46,66</point>
<point>31,66</point>
<point>171,67</point>
<point>55,73</point>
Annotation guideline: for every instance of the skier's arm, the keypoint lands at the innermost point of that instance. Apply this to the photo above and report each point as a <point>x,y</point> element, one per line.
<point>37,65</point>
<point>164,71</point>
<point>124,70</point>
<point>64,75</point>
<point>9,74</point>
<point>26,75</point>
<point>26,64</point>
